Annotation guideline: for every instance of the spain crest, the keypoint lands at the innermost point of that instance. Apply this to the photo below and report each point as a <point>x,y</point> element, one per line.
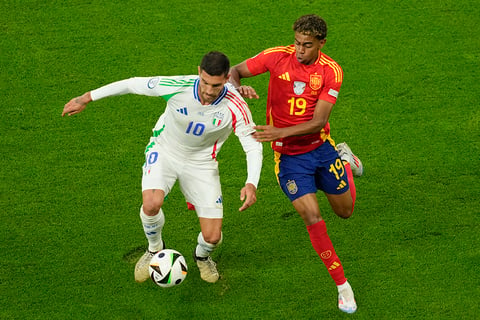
<point>315,81</point>
<point>292,186</point>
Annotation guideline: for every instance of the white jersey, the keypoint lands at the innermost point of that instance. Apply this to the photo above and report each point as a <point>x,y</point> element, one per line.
<point>189,129</point>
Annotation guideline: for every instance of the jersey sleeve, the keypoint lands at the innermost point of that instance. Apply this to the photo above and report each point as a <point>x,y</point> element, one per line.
<point>254,153</point>
<point>332,82</point>
<point>242,120</point>
<point>147,86</point>
<point>243,126</point>
<point>258,64</point>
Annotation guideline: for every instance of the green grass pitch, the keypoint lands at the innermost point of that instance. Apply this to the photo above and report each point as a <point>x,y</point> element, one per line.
<point>70,187</point>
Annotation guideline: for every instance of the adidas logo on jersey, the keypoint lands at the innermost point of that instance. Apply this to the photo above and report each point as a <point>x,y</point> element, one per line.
<point>285,76</point>
<point>183,111</point>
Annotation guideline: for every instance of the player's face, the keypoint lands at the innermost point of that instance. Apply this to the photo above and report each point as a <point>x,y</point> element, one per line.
<point>210,87</point>
<point>307,48</point>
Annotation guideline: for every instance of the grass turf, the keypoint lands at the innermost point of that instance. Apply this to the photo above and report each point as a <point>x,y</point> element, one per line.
<point>70,188</point>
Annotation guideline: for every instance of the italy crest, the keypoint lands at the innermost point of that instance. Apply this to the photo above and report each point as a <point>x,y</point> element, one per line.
<point>217,118</point>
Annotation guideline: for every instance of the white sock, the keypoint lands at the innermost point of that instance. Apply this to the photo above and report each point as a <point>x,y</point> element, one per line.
<point>204,249</point>
<point>343,286</point>
<point>152,226</point>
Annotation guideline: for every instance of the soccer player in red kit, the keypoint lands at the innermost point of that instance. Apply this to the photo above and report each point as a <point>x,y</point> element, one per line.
<point>303,88</point>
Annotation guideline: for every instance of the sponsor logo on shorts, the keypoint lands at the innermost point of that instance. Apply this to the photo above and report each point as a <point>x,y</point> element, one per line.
<point>292,187</point>
<point>219,202</point>
<point>341,185</point>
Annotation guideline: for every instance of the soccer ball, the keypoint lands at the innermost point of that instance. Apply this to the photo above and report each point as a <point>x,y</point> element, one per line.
<point>168,268</point>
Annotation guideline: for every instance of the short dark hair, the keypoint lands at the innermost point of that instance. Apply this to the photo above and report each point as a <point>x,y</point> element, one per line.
<point>311,25</point>
<point>215,63</point>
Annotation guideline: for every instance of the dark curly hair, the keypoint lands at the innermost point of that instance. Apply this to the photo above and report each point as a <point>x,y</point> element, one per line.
<point>311,25</point>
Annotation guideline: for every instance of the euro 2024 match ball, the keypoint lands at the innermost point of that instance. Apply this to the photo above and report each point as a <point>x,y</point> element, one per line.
<point>168,268</point>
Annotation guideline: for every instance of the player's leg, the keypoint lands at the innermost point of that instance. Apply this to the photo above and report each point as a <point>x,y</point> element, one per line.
<point>200,184</point>
<point>153,219</point>
<point>322,244</point>
<point>297,176</point>
<point>342,204</point>
<point>336,180</point>
<point>303,197</point>
<point>158,176</point>
<point>307,207</point>
<point>208,240</point>
<point>334,177</point>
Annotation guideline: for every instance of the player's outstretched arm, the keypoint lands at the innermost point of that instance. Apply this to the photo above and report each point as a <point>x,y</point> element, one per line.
<point>238,72</point>
<point>267,133</point>
<point>248,194</point>
<point>77,105</point>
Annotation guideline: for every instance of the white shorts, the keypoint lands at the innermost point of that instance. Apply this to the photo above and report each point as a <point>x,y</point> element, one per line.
<point>199,181</point>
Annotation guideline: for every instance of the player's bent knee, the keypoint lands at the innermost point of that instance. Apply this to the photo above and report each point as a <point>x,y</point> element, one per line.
<point>345,213</point>
<point>152,202</point>
<point>342,204</point>
<point>213,238</point>
<point>150,209</point>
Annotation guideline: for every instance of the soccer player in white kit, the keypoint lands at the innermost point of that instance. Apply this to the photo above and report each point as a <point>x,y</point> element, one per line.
<point>201,112</point>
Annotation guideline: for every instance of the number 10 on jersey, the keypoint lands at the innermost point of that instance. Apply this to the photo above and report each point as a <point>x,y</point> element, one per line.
<point>196,129</point>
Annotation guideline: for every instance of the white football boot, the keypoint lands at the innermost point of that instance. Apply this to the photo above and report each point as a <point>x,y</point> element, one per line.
<point>208,268</point>
<point>346,154</point>
<point>141,268</point>
<point>346,299</point>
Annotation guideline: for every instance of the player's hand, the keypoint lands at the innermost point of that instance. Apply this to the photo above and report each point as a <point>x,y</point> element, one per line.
<point>248,194</point>
<point>267,133</point>
<point>247,92</point>
<point>76,105</point>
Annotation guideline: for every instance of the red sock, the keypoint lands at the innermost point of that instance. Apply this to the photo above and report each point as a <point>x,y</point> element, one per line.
<point>351,183</point>
<point>323,245</point>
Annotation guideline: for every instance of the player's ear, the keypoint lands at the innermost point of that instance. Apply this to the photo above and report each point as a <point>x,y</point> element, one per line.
<point>199,70</point>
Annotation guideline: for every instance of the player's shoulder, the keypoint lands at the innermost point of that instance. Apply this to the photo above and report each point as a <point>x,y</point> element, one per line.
<point>331,65</point>
<point>230,87</point>
<point>235,99</point>
<point>232,94</point>
<point>327,61</point>
<point>177,81</point>
<point>280,50</point>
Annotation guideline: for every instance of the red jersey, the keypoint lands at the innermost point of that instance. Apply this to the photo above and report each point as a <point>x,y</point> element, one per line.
<point>293,92</point>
